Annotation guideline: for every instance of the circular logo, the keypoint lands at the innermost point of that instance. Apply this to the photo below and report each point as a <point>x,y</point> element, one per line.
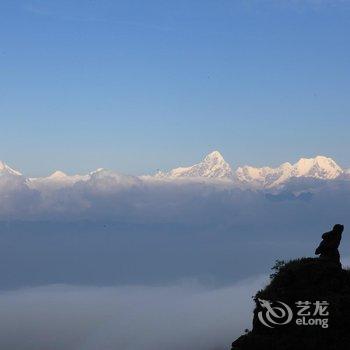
<point>277,314</point>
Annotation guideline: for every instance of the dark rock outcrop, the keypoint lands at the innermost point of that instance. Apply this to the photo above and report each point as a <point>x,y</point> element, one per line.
<point>309,280</point>
<point>328,248</point>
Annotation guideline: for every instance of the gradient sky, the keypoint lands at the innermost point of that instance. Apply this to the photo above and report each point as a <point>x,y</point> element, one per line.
<point>139,85</point>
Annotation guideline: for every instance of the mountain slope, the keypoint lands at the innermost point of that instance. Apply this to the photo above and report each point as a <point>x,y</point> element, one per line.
<point>6,170</point>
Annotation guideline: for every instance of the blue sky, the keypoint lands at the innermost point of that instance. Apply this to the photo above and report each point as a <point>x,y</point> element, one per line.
<point>139,85</point>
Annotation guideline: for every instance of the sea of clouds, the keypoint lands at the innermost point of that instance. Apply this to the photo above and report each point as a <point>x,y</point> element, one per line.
<point>173,317</point>
<point>112,196</point>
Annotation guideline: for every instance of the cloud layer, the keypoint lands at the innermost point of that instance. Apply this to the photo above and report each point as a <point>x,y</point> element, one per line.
<point>177,317</point>
<point>112,196</point>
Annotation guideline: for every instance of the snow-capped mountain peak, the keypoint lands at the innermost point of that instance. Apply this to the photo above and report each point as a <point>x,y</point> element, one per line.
<point>58,175</point>
<point>319,167</point>
<point>57,179</point>
<point>214,156</point>
<point>212,166</point>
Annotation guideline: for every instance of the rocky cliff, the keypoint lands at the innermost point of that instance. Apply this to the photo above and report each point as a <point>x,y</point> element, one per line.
<point>305,306</point>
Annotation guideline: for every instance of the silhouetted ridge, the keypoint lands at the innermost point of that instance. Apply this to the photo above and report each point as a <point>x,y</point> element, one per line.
<point>304,279</point>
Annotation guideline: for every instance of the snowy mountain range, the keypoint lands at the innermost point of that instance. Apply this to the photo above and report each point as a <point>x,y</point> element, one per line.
<point>212,167</point>
<point>318,168</point>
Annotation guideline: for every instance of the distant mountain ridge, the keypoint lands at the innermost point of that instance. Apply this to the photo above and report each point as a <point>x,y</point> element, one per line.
<point>212,167</point>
